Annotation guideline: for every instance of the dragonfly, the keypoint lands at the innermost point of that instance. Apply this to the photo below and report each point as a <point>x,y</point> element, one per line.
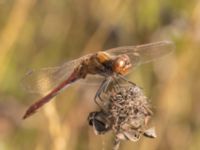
<point>110,64</point>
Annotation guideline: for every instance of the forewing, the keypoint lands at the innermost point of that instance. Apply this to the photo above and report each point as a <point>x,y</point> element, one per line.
<point>144,53</point>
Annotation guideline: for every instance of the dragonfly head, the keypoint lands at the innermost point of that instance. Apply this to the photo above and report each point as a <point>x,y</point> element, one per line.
<point>122,64</point>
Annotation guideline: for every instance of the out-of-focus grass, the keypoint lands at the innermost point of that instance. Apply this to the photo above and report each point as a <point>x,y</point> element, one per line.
<point>36,34</point>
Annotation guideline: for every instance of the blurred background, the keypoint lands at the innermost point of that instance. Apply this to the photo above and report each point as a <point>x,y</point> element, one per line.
<point>43,33</point>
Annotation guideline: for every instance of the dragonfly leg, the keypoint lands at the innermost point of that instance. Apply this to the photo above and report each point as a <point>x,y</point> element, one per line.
<point>102,89</point>
<point>99,91</point>
<point>106,84</point>
<point>116,84</point>
<point>128,81</point>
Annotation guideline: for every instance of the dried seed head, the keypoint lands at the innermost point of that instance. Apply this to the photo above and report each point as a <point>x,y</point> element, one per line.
<point>128,108</point>
<point>126,111</point>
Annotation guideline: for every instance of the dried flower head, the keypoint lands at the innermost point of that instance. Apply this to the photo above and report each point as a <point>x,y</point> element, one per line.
<point>126,111</point>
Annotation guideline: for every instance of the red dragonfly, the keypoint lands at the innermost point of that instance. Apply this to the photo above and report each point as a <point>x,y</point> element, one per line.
<point>109,64</point>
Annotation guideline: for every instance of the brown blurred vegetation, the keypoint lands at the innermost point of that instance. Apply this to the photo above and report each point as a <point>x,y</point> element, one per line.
<point>35,34</point>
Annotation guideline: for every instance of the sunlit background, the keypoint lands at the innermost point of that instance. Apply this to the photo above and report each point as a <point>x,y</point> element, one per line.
<point>43,33</point>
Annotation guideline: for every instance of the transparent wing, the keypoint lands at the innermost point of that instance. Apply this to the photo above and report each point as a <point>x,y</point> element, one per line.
<point>144,53</point>
<point>91,80</point>
<point>43,80</point>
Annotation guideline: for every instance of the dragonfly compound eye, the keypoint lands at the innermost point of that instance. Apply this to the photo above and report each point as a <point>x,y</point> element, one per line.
<point>122,64</point>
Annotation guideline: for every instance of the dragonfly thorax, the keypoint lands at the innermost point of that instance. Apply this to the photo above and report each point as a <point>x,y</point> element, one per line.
<point>103,57</point>
<point>101,63</point>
